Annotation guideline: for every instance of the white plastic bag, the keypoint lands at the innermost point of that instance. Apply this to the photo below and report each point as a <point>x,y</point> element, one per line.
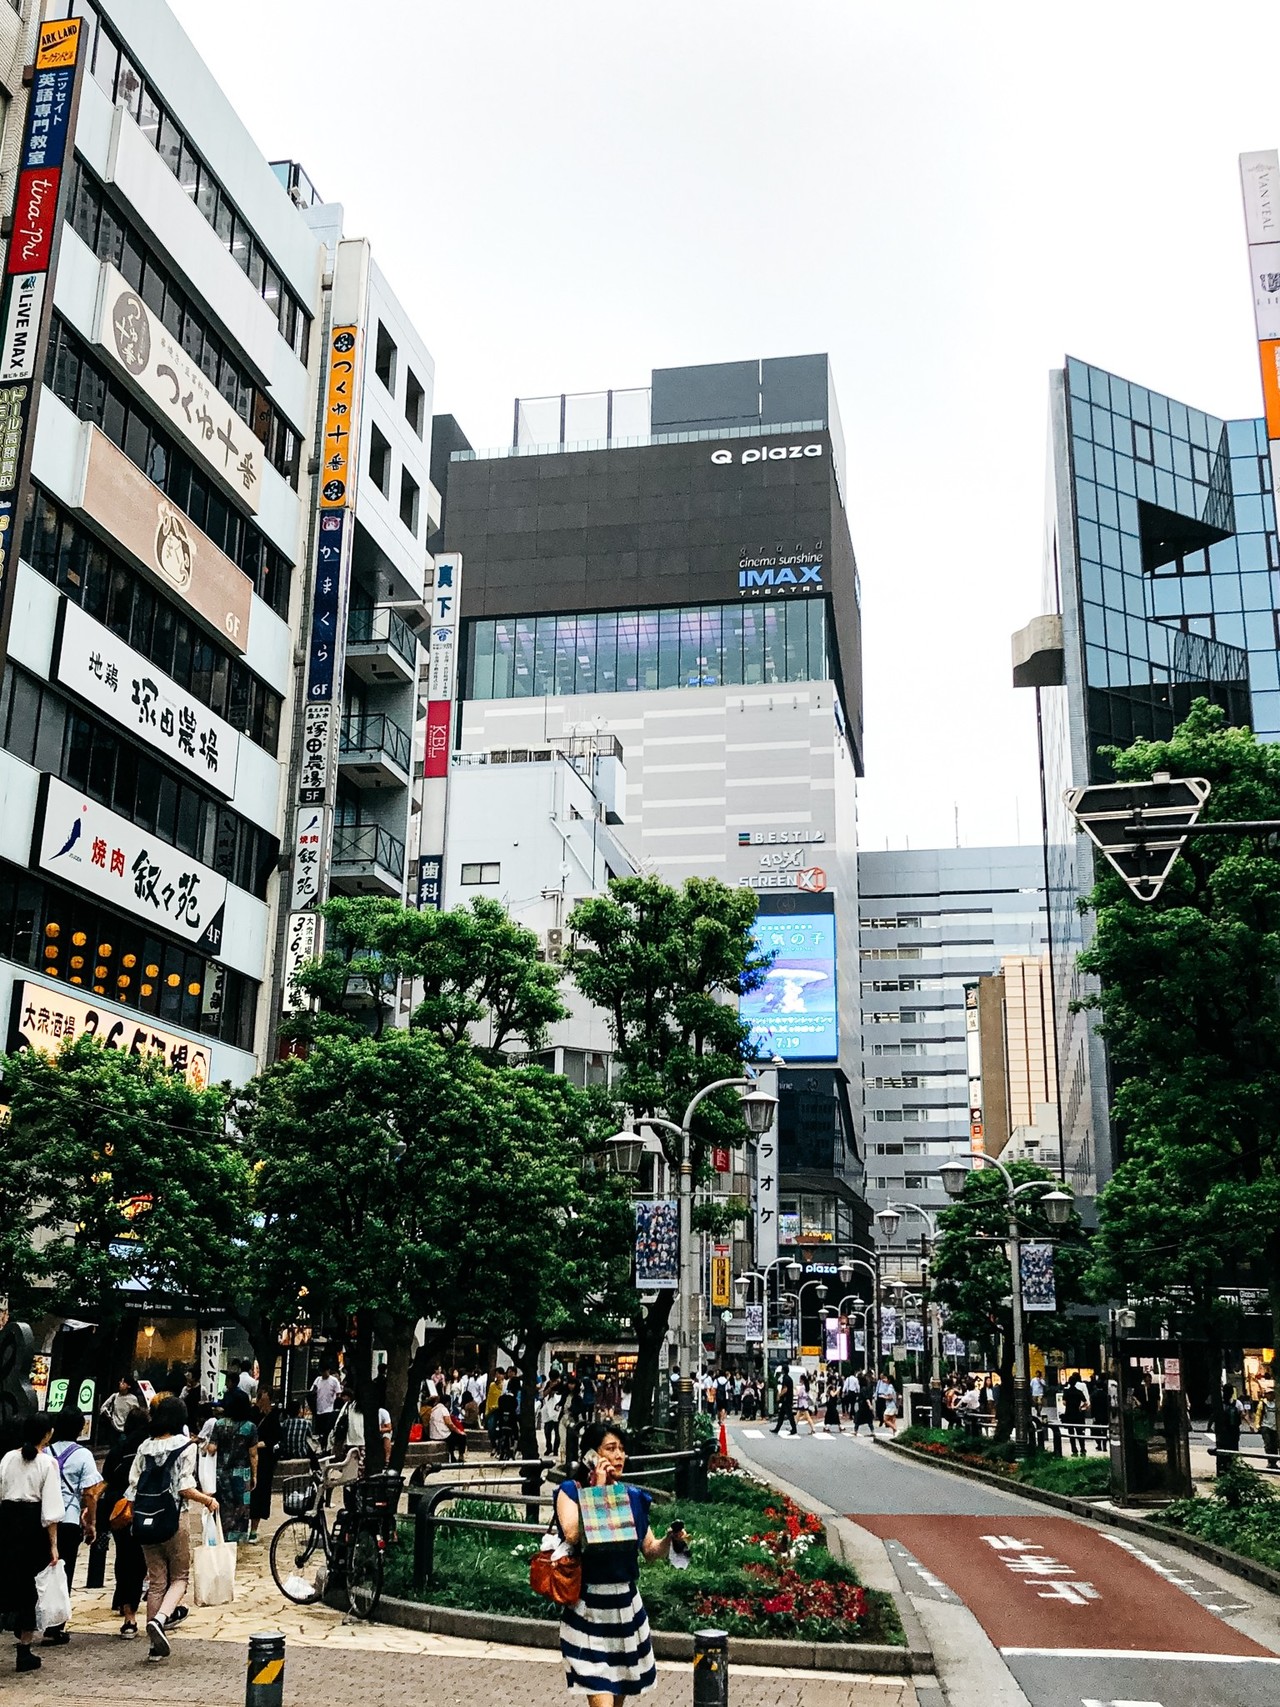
<point>206,1470</point>
<point>53,1599</point>
<point>213,1566</point>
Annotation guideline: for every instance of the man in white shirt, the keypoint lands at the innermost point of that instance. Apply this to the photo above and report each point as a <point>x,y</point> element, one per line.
<point>326,1390</point>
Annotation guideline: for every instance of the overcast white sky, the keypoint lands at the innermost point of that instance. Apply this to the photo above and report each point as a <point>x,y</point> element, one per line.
<point>948,197</point>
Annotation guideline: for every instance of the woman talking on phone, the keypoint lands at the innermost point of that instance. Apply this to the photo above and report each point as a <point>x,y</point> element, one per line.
<point>604,1638</point>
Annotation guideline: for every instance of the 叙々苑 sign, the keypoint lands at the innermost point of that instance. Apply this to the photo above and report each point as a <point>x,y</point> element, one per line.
<point>309,835</point>
<point>119,863</point>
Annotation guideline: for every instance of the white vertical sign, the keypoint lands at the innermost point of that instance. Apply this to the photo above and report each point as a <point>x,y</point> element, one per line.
<point>765,1192</point>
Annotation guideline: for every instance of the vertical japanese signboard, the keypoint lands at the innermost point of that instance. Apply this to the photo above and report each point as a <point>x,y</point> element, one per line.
<point>442,676</point>
<point>1260,182</point>
<point>973,1061</point>
<point>26,301</point>
<point>326,643</point>
<point>764,1192</point>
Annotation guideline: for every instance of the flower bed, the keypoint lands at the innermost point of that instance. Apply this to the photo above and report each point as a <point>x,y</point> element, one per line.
<point>757,1567</point>
<point>1242,1514</point>
<point>1080,1478</point>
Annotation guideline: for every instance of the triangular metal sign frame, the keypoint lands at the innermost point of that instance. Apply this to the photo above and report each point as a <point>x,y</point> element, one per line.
<point>1104,811</point>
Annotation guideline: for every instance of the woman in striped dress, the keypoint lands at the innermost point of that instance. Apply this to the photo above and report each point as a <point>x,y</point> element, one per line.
<point>605,1638</point>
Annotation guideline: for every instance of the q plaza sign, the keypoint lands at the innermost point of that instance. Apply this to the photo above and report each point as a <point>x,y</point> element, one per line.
<point>764,453</point>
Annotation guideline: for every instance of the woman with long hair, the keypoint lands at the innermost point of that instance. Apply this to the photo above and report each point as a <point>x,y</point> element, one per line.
<point>235,1441</point>
<point>130,1567</point>
<point>605,1638</point>
<point>268,1422</point>
<point>30,1512</point>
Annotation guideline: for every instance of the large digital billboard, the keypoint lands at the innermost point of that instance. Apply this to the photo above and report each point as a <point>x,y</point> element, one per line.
<point>793,1014</point>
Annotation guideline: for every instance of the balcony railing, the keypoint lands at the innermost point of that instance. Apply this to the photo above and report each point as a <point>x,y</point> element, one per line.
<point>376,734</point>
<point>368,844</point>
<point>383,627</point>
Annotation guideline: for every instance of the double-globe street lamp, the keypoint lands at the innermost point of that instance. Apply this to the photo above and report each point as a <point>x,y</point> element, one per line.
<point>889,1218</point>
<point>757,1108</point>
<point>741,1282</point>
<point>1057,1205</point>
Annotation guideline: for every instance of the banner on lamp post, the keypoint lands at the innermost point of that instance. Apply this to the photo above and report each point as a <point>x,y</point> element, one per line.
<point>657,1246</point>
<point>1038,1290</point>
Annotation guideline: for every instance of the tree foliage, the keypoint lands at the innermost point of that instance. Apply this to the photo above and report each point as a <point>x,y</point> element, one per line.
<point>972,1276</point>
<point>666,965</point>
<point>115,1171</point>
<point>1189,1005</point>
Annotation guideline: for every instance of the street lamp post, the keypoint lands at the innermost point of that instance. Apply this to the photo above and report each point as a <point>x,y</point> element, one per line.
<point>889,1217</point>
<point>1057,1205</point>
<point>794,1272</point>
<point>757,1112</point>
<point>818,1286</point>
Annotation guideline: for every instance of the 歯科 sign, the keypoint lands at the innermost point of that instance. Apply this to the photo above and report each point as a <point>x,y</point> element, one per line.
<point>124,686</point>
<point>119,863</point>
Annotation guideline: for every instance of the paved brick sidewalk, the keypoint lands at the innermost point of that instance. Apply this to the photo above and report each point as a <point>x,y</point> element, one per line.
<point>112,1673</point>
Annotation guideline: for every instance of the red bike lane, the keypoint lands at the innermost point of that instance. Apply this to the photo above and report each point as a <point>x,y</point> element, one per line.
<point>1054,1584</point>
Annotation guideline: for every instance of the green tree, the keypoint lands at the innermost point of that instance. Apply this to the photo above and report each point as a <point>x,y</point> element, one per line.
<point>1189,1004</point>
<point>972,1278</point>
<point>478,971</point>
<point>666,965</point>
<point>114,1170</point>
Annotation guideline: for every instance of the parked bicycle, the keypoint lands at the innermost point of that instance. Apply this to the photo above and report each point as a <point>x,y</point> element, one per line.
<point>311,1554</point>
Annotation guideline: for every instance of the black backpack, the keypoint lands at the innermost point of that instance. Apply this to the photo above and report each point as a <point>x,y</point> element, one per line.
<point>156,1513</point>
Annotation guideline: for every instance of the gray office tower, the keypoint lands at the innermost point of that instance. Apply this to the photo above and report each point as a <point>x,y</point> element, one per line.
<point>1160,586</point>
<point>933,921</point>
<point>671,566</point>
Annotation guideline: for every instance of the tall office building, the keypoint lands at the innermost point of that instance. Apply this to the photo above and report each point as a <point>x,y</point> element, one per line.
<point>1160,571</point>
<point>672,567</point>
<point>934,922</point>
<point>168,315</point>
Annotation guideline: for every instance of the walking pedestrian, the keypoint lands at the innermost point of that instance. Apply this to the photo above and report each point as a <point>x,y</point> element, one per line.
<point>1037,1395</point>
<point>550,1410</point>
<point>804,1404</point>
<point>269,1424</point>
<point>604,1637</point>
<point>1074,1408</point>
<point>884,1392</point>
<point>115,1409</point>
<point>130,1566</point>
<point>1265,1422</point>
<point>786,1402</point>
<point>1100,1408</point>
<point>326,1390</point>
<point>81,1484</point>
<point>1227,1432</point>
<point>863,1415</point>
<point>30,1512</point>
<point>168,1559</point>
<point>831,1419</point>
<point>234,1439</point>
<point>889,1414</point>
<point>492,1394</point>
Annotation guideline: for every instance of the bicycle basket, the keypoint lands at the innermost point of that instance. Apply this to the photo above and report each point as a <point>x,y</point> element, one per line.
<point>296,1495</point>
<point>378,1495</point>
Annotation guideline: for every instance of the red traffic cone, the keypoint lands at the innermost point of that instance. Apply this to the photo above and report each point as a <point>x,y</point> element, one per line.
<point>724,1442</point>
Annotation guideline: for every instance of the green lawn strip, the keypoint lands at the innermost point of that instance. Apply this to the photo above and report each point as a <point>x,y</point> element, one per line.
<point>1242,1514</point>
<point>789,1589</point>
<point>1078,1477</point>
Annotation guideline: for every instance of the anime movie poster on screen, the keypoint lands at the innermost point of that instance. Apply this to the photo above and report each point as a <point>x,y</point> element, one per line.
<point>793,1013</point>
<point>657,1245</point>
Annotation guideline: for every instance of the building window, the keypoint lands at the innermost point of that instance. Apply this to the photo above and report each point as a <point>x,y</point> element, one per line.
<point>379,461</point>
<point>409,501</point>
<point>415,403</point>
<point>916,1182</point>
<point>384,358</point>
<point>482,873</point>
<point>1143,448</point>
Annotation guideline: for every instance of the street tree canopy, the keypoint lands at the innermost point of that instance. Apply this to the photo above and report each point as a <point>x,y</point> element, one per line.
<point>1189,1004</point>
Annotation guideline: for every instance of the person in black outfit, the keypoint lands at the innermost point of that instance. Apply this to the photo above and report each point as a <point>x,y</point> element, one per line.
<point>786,1402</point>
<point>1227,1431</point>
<point>1074,1408</point>
<point>131,1567</point>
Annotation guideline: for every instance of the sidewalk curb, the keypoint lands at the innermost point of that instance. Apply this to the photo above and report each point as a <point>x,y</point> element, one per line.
<point>877,1658</point>
<point>919,1650</point>
<point>1261,1576</point>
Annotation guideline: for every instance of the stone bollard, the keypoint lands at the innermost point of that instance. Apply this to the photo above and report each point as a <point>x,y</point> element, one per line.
<point>710,1669</point>
<point>264,1680</point>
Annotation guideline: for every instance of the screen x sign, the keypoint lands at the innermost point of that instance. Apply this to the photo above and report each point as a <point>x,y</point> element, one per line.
<point>1140,827</point>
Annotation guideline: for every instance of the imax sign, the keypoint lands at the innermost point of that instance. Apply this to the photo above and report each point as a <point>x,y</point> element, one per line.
<point>786,578</point>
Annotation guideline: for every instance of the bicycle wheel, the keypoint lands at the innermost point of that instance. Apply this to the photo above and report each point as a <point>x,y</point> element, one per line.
<point>364,1573</point>
<point>298,1561</point>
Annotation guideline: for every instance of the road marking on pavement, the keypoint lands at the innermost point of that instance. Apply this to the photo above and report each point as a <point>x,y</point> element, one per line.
<point>1093,1702</point>
<point>907,1561</point>
<point>754,1433</point>
<point>1206,1593</point>
<point>1028,1560</point>
<point>1138,1654</point>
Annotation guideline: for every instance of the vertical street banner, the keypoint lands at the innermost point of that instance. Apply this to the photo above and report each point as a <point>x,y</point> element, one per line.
<point>442,682</point>
<point>914,1336</point>
<point>1036,1266</point>
<point>1260,184</point>
<point>657,1245</point>
<point>720,1278</point>
<point>764,1185</point>
<point>753,1323</point>
<point>888,1327</point>
<point>973,1061</point>
<point>26,300</point>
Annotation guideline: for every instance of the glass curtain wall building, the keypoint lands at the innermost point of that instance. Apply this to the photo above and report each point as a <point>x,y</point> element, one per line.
<point>1161,558</point>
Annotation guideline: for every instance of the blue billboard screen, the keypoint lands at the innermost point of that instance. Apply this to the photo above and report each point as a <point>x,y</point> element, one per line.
<point>793,1013</point>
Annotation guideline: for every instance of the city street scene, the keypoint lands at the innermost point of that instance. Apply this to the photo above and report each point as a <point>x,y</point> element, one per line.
<point>639,854</point>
